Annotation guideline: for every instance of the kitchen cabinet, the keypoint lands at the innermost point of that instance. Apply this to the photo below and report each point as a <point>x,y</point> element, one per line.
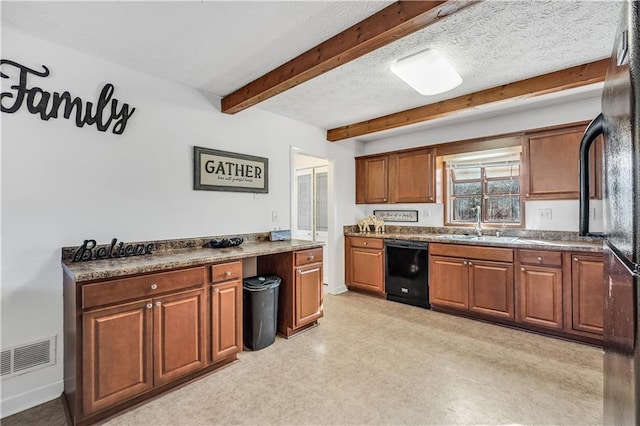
<point>412,177</point>
<point>372,180</point>
<point>364,264</point>
<point>587,293</point>
<point>301,290</point>
<point>551,164</point>
<point>396,177</point>
<point>477,280</point>
<point>226,310</point>
<point>139,333</point>
<point>540,289</point>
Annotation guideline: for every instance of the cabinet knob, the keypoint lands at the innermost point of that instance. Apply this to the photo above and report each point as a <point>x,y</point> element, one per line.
<point>522,269</point>
<point>158,303</point>
<point>149,306</point>
<point>539,259</point>
<point>575,259</point>
<point>470,264</point>
<point>526,195</point>
<point>365,243</point>
<point>431,198</point>
<point>384,199</point>
<point>310,258</point>
<point>465,263</point>
<point>228,273</point>
<point>217,290</point>
<point>154,286</point>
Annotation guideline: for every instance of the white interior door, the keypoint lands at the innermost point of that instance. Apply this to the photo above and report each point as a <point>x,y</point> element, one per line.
<point>321,211</point>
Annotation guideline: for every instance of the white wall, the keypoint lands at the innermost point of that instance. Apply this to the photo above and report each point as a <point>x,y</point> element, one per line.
<point>62,184</point>
<point>564,213</point>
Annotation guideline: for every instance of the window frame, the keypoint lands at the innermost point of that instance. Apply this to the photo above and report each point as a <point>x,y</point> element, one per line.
<point>447,200</point>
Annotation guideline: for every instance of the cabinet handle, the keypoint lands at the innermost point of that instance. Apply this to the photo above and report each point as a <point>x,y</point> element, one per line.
<point>154,286</point>
<point>539,259</point>
<point>228,273</point>
<point>158,303</point>
<point>149,306</point>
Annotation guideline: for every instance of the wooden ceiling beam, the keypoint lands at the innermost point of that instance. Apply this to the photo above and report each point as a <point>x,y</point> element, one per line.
<point>581,75</point>
<point>390,24</point>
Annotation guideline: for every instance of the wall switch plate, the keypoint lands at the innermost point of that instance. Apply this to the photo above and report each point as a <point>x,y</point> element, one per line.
<point>592,213</point>
<point>544,214</point>
<point>426,212</point>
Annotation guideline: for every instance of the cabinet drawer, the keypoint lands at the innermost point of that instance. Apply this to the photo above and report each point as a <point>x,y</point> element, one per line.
<point>308,256</point>
<point>536,257</point>
<point>366,242</point>
<point>472,252</point>
<point>226,271</point>
<point>137,287</point>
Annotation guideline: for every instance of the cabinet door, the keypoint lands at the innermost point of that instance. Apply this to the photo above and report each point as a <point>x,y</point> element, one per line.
<point>449,282</point>
<point>308,294</point>
<point>587,288</point>
<point>552,165</point>
<point>540,296</point>
<point>366,269</point>
<point>116,354</point>
<point>412,177</point>
<point>179,339</point>
<point>226,319</point>
<point>491,288</point>
<point>371,180</point>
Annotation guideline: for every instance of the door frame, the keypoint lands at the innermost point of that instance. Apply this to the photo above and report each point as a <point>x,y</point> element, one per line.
<point>334,286</point>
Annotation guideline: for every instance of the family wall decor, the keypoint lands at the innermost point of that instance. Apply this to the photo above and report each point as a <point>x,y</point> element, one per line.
<point>49,105</point>
<point>215,170</point>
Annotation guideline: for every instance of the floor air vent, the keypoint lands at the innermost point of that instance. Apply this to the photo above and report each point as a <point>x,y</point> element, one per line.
<point>28,357</point>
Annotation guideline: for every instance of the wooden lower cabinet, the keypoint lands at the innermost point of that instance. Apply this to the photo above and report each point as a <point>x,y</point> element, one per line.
<point>491,288</point>
<point>226,319</point>
<point>300,294</point>
<point>129,339</point>
<point>449,282</point>
<point>116,354</point>
<point>587,290</point>
<point>364,264</point>
<point>540,297</point>
<point>476,286</point>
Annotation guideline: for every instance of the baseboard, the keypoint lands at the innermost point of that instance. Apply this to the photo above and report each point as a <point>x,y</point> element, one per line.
<point>30,399</point>
<point>339,290</point>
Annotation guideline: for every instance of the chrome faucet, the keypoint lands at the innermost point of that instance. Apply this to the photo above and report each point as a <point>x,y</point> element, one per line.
<point>478,224</point>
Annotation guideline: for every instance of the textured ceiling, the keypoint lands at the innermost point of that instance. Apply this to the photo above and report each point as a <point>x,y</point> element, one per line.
<point>218,47</point>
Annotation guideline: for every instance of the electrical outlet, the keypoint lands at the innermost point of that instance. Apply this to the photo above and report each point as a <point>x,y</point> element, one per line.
<point>544,214</point>
<point>426,212</point>
<point>274,216</point>
<point>592,213</point>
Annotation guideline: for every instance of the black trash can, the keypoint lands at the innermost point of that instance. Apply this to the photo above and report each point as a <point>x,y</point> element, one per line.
<point>260,311</point>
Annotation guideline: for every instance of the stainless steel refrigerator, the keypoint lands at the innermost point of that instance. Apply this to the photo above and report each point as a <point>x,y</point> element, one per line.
<point>620,125</point>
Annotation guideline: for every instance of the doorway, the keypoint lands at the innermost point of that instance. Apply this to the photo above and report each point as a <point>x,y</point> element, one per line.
<point>310,203</point>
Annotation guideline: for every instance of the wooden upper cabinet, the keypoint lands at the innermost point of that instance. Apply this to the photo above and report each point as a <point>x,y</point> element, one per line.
<point>551,164</point>
<point>371,180</point>
<point>400,177</point>
<point>411,177</point>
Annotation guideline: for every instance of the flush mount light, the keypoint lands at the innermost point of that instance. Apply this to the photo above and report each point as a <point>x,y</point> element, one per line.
<point>428,72</point>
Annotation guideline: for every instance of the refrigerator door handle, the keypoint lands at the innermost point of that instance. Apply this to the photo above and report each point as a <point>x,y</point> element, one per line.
<point>594,129</point>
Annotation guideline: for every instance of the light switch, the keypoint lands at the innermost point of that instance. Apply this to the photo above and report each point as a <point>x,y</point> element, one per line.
<point>544,214</point>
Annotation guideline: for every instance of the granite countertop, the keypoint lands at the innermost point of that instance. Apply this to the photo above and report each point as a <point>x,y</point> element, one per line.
<point>176,258</point>
<point>537,240</point>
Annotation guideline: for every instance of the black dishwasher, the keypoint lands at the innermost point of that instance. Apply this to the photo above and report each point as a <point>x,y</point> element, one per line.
<point>406,272</point>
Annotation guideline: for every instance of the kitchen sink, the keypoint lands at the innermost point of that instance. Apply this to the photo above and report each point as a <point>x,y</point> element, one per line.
<point>488,238</point>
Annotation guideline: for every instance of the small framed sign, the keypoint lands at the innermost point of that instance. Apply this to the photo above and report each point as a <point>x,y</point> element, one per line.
<point>397,215</point>
<point>215,170</point>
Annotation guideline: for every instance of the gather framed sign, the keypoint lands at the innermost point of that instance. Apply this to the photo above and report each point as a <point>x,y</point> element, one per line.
<point>215,170</point>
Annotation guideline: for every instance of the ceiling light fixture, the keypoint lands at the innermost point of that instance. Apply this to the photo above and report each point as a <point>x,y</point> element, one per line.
<point>428,72</point>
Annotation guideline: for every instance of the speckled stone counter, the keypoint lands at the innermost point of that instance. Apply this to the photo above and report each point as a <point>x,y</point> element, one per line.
<point>174,254</point>
<point>538,240</point>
